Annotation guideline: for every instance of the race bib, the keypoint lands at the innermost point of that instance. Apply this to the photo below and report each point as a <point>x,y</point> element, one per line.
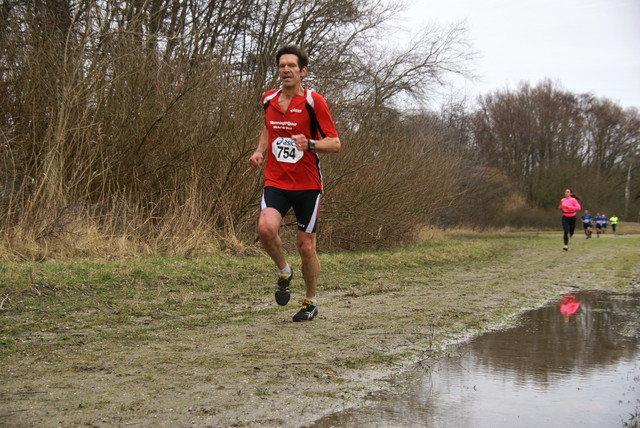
<point>284,149</point>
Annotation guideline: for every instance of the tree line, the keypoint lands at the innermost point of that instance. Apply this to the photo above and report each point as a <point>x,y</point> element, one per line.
<point>126,126</point>
<point>543,136</point>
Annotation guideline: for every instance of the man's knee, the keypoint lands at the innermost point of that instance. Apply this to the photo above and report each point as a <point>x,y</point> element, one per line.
<point>268,224</point>
<point>267,232</point>
<point>307,246</point>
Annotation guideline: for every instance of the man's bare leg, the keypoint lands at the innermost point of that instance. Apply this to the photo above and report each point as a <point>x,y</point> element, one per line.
<point>268,231</point>
<point>310,264</point>
<point>310,269</point>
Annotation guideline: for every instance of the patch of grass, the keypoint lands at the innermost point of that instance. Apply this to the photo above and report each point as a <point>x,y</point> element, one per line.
<point>325,394</point>
<point>262,392</point>
<point>44,304</point>
<point>371,359</point>
<point>634,420</point>
<point>626,228</point>
<point>384,271</point>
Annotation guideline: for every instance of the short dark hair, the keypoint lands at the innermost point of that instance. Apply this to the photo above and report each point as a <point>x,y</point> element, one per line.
<point>303,58</point>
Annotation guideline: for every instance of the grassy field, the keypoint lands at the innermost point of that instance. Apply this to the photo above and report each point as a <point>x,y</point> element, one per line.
<point>209,324</point>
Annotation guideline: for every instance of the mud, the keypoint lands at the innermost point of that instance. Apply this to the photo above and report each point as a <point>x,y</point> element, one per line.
<point>573,363</point>
<point>264,370</point>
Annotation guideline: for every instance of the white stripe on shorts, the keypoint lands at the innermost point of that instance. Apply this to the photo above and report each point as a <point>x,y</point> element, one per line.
<point>314,217</point>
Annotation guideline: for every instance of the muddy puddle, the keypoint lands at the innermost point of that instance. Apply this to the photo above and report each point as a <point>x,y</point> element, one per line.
<point>575,362</point>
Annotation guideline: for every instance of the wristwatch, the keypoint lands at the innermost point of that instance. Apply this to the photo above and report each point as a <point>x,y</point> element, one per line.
<point>312,144</point>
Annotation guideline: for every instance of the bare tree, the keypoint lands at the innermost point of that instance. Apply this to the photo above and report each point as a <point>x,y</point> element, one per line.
<point>135,118</point>
<point>546,139</point>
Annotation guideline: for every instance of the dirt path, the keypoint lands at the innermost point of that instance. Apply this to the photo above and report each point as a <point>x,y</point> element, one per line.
<point>267,371</point>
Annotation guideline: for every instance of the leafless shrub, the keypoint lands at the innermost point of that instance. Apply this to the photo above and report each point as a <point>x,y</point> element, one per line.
<point>126,125</point>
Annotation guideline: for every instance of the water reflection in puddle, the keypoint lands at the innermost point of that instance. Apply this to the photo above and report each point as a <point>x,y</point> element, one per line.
<point>574,363</point>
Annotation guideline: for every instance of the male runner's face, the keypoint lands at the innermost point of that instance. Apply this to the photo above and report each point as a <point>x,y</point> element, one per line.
<point>290,74</point>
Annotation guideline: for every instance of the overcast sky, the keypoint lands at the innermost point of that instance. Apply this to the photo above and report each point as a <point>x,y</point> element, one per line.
<point>587,46</point>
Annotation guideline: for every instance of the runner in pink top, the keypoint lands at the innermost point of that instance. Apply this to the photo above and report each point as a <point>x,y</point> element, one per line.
<point>569,205</point>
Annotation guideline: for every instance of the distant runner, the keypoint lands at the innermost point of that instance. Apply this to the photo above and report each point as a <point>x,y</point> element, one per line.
<point>569,205</point>
<point>587,223</point>
<point>614,221</point>
<point>599,222</point>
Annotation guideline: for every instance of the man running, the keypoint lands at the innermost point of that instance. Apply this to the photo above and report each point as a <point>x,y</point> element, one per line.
<point>297,126</point>
<point>587,223</point>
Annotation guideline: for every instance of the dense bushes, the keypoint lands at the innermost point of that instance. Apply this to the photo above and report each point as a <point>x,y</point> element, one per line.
<point>126,127</point>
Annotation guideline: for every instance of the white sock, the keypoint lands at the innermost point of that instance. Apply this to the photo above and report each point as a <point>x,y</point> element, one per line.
<point>285,271</point>
<point>313,299</point>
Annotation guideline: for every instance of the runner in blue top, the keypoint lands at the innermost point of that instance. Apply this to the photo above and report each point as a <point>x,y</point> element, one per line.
<point>605,221</point>
<point>587,223</point>
<point>598,220</point>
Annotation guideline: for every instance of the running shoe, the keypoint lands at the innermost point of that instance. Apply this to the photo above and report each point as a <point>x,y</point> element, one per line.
<point>566,248</point>
<point>307,312</point>
<point>282,290</point>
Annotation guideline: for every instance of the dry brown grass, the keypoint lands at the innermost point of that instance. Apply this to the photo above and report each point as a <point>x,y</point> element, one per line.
<point>131,136</point>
